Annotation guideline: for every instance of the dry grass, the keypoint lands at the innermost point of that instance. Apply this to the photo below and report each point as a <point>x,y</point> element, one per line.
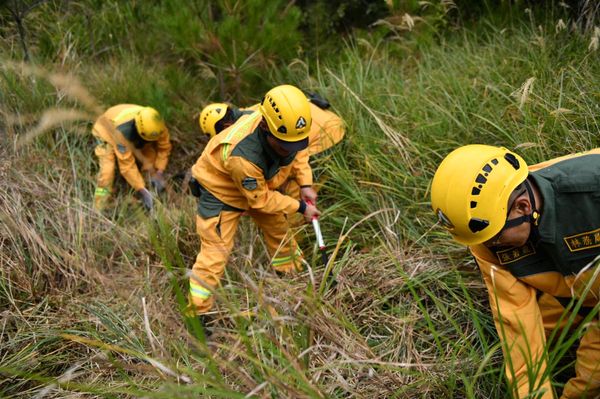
<point>90,302</point>
<point>87,300</point>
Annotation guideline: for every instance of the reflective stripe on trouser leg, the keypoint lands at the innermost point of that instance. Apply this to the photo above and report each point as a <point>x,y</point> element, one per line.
<point>288,263</point>
<point>101,192</point>
<point>216,240</point>
<point>282,247</point>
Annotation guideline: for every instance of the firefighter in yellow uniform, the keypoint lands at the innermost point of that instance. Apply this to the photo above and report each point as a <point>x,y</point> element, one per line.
<point>326,131</point>
<point>127,133</point>
<point>535,234</point>
<point>240,170</point>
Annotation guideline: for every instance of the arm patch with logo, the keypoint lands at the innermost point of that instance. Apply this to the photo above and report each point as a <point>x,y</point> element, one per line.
<point>121,148</point>
<point>249,183</point>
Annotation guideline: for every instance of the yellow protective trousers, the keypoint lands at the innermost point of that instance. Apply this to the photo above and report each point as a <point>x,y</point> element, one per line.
<point>106,174</point>
<point>216,241</point>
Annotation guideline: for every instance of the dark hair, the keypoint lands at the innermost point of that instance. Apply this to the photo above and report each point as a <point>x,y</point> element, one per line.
<point>225,121</point>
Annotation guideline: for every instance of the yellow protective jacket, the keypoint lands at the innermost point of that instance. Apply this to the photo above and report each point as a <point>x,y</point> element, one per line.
<point>326,131</point>
<point>239,168</point>
<point>557,264</point>
<point>117,128</point>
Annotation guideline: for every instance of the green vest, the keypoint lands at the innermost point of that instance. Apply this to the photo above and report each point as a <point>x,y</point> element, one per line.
<point>569,228</point>
<point>257,150</point>
<point>129,131</point>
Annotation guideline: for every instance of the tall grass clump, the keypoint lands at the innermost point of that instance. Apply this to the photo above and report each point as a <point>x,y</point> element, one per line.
<point>92,302</point>
<point>506,86</point>
<point>517,86</point>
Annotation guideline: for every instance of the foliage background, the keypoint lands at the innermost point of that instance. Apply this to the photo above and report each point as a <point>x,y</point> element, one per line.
<point>90,302</point>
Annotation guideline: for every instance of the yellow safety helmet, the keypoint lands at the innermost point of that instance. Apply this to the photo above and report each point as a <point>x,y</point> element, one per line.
<point>471,189</point>
<point>149,124</point>
<point>287,113</point>
<point>210,116</point>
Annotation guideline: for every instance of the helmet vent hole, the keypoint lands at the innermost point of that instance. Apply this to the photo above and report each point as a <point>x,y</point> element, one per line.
<point>473,204</point>
<point>487,168</point>
<point>475,191</point>
<point>476,225</point>
<point>481,179</point>
<point>512,160</point>
<point>282,129</point>
<point>495,161</point>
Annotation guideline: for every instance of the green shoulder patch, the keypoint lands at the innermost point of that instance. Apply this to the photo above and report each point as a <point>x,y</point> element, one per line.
<point>585,240</point>
<point>249,183</point>
<point>511,255</point>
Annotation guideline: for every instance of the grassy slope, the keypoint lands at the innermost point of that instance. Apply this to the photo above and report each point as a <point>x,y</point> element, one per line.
<point>408,317</point>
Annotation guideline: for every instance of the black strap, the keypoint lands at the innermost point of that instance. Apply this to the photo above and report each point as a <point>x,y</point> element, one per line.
<point>516,221</point>
<point>534,217</point>
<point>535,214</point>
<point>318,100</point>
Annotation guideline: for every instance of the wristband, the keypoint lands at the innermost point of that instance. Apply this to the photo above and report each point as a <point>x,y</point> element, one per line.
<point>302,207</point>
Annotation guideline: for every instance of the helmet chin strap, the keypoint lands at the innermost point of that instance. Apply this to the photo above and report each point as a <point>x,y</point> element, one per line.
<point>533,218</point>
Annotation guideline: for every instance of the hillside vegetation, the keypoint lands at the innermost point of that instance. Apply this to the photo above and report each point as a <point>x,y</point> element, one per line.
<point>91,302</point>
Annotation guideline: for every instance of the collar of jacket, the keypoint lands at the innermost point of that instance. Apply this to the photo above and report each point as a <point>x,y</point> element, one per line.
<point>129,131</point>
<point>273,156</point>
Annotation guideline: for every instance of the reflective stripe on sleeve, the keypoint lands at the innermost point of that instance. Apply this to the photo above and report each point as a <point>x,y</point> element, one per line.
<point>234,131</point>
<point>286,259</point>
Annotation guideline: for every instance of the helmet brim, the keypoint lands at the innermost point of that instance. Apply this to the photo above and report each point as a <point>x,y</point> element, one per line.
<point>292,146</point>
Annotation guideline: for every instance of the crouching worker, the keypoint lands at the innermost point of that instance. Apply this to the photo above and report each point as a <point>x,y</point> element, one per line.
<point>129,134</point>
<point>327,130</point>
<point>535,234</point>
<point>240,170</point>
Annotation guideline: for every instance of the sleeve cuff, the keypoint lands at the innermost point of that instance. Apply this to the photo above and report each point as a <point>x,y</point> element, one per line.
<point>304,181</point>
<point>138,187</point>
<point>302,207</point>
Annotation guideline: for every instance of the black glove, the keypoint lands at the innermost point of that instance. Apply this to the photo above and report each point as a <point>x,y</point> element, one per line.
<point>146,198</point>
<point>157,181</point>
